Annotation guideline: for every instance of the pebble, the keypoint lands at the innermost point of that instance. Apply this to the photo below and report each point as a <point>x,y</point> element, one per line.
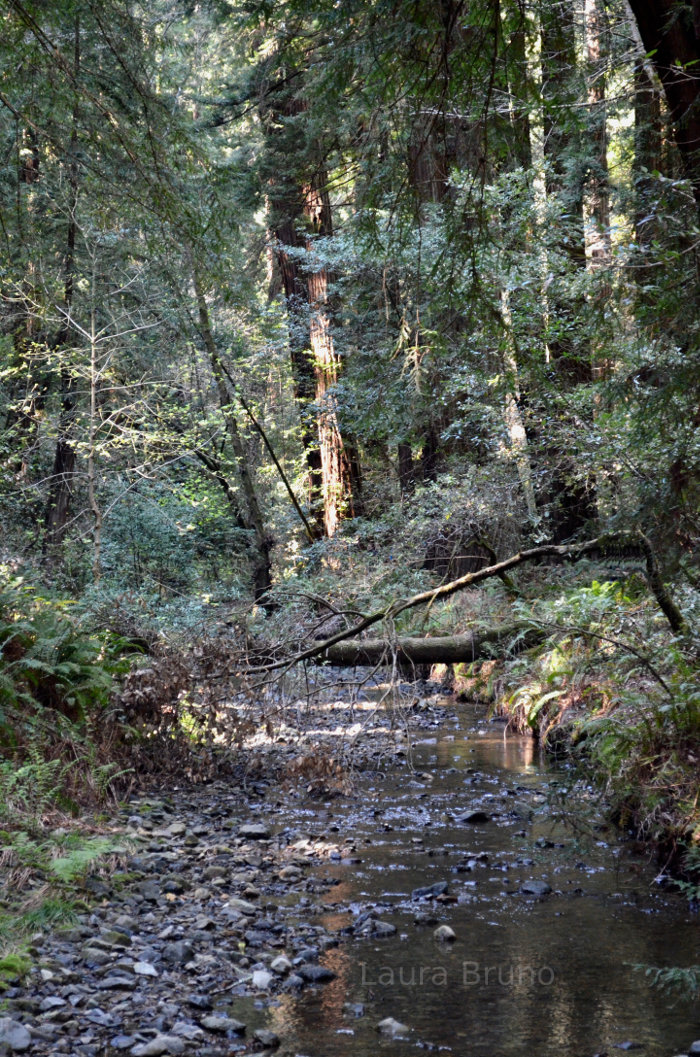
<point>392,1028</point>
<point>161,1044</point>
<point>445,934</point>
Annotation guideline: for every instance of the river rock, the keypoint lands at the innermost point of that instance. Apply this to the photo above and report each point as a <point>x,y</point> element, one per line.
<point>262,979</point>
<point>254,831</point>
<point>14,1035</point>
<point>219,1023</point>
<point>473,817</point>
<point>382,929</point>
<point>392,1028</point>
<point>430,891</point>
<point>267,1039</point>
<point>177,953</point>
<point>536,888</point>
<point>161,1044</point>
<point>144,969</point>
<point>445,934</point>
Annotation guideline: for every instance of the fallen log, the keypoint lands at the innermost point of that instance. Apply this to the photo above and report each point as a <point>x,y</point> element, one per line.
<point>447,649</point>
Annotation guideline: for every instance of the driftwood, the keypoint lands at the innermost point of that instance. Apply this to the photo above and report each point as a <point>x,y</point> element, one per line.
<point>447,649</point>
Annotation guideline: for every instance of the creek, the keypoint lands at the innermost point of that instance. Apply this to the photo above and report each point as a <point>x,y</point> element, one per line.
<point>529,973</point>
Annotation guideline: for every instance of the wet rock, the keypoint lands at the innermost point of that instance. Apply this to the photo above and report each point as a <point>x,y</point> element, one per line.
<point>222,1024</point>
<point>445,934</point>
<point>430,891</point>
<point>161,1044</point>
<point>262,979</point>
<point>254,831</point>
<point>177,953</point>
<point>315,974</point>
<point>392,1028</point>
<point>241,906</point>
<point>536,888</point>
<point>116,983</point>
<point>13,1035</point>
<point>202,1002</point>
<point>267,1039</point>
<point>115,938</point>
<point>52,1002</point>
<point>382,929</point>
<point>473,817</point>
<point>425,919</point>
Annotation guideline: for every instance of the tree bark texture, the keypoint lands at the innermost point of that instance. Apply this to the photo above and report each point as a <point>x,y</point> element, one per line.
<point>62,480</point>
<point>670,32</point>
<point>451,649</point>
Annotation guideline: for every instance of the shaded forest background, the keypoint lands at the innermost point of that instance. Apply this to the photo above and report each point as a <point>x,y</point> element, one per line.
<point>310,307</point>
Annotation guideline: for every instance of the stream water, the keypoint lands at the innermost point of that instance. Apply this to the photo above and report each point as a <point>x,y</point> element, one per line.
<point>528,975</point>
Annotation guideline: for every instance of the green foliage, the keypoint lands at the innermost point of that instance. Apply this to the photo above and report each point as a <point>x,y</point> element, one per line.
<point>676,982</point>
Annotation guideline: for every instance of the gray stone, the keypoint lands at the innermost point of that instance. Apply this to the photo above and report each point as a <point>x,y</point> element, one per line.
<point>202,1002</point>
<point>474,817</point>
<point>14,1035</point>
<point>116,983</point>
<point>694,1047</point>
<point>115,938</point>
<point>536,888</point>
<point>144,969</point>
<point>220,1023</point>
<point>381,929</point>
<point>241,906</point>
<point>177,953</point>
<point>392,1028</point>
<point>161,1044</point>
<point>262,979</point>
<point>52,1002</point>
<point>268,1039</point>
<point>281,965</point>
<point>254,831</point>
<point>438,889</point>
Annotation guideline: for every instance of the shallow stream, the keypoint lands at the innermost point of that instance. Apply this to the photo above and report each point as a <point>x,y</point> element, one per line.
<point>528,975</point>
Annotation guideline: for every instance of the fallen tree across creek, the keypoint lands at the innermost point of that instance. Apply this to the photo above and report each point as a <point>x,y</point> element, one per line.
<point>446,649</point>
<point>571,551</point>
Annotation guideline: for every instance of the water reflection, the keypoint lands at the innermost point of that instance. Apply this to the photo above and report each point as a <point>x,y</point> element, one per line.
<point>541,978</point>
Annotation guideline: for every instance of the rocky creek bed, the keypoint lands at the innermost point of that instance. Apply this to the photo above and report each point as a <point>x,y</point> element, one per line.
<point>434,907</point>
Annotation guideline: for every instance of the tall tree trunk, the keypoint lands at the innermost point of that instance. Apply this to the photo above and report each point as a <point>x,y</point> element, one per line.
<point>571,496</point>
<point>670,32</point>
<point>300,213</point>
<point>598,249</point>
<point>62,479</point>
